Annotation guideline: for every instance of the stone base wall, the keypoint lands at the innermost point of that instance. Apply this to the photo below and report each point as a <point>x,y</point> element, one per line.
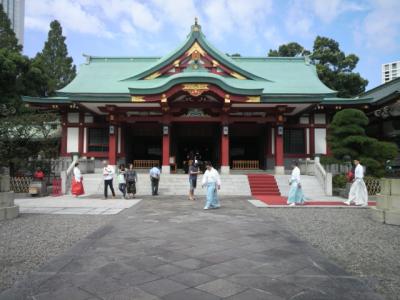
<point>8,210</point>
<point>388,203</point>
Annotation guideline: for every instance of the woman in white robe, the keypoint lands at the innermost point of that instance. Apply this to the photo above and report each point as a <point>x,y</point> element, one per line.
<point>296,195</point>
<point>358,192</point>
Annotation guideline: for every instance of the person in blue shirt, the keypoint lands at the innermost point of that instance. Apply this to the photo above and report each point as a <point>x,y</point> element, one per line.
<point>155,179</point>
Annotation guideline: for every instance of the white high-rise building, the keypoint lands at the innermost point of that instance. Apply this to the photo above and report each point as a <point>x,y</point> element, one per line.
<point>390,71</point>
<point>15,10</point>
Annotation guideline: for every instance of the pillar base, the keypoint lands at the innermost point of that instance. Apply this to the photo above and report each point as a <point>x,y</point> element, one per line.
<point>166,169</point>
<point>279,170</point>
<point>225,170</point>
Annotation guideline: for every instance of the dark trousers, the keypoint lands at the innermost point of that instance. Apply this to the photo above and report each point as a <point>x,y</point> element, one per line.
<point>154,186</point>
<point>122,188</point>
<point>110,184</point>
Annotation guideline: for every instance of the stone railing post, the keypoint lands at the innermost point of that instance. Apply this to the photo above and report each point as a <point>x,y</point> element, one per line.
<point>388,202</point>
<point>8,210</point>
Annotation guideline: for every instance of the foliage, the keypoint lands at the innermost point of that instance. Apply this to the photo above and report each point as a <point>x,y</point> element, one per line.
<point>334,67</point>
<point>289,50</point>
<point>347,137</point>
<point>8,40</point>
<point>26,135</point>
<point>54,61</point>
<point>339,181</point>
<point>328,160</point>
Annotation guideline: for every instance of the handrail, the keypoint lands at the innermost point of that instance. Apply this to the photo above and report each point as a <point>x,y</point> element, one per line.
<point>324,178</point>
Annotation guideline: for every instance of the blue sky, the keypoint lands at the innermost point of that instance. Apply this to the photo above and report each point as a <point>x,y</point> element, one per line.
<point>368,28</point>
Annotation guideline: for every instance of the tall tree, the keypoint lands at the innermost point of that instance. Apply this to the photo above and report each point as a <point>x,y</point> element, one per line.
<point>335,69</point>
<point>347,137</point>
<point>12,66</point>
<point>54,60</point>
<point>289,50</point>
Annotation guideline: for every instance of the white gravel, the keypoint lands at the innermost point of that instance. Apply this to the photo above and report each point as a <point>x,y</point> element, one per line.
<point>32,239</point>
<point>352,239</point>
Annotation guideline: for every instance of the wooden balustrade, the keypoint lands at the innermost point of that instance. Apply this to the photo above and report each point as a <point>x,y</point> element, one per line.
<point>145,163</point>
<point>245,164</point>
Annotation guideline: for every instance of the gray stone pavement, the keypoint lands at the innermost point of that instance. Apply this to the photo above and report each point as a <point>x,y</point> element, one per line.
<point>170,248</point>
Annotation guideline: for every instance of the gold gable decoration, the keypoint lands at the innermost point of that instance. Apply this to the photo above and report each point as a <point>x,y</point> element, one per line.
<point>253,99</point>
<point>238,76</point>
<point>136,99</point>
<point>196,47</point>
<point>153,76</point>
<point>195,89</point>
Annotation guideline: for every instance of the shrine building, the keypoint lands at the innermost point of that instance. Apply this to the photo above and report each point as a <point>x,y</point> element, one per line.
<point>237,112</point>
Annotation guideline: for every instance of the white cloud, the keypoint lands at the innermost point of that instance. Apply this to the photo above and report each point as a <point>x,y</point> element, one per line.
<point>273,37</point>
<point>328,11</point>
<point>143,18</point>
<point>380,28</point>
<point>298,21</point>
<point>71,14</point>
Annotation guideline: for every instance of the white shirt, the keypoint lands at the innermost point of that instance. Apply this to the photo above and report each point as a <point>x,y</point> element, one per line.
<point>155,172</point>
<point>211,176</point>
<point>359,172</point>
<point>108,172</point>
<point>77,174</point>
<point>295,175</point>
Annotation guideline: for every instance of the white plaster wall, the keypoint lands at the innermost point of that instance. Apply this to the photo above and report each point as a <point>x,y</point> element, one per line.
<point>304,120</point>
<point>319,119</point>
<point>72,139</point>
<point>73,117</point>
<point>119,139</point>
<point>273,140</point>
<point>88,119</point>
<point>320,141</point>
<point>85,139</point>
<point>307,140</point>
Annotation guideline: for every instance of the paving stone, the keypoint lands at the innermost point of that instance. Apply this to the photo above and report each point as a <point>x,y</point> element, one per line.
<point>192,278</point>
<point>254,294</point>
<point>136,278</point>
<point>64,294</point>
<point>162,287</point>
<point>167,270</point>
<point>191,294</point>
<point>191,263</point>
<point>130,293</point>
<point>221,288</point>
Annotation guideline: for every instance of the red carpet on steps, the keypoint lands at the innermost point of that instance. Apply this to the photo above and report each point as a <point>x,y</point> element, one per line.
<point>264,188</point>
<point>279,200</point>
<point>263,184</point>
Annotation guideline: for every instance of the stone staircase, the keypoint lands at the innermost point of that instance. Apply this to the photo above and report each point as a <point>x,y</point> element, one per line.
<point>263,184</point>
<point>171,184</point>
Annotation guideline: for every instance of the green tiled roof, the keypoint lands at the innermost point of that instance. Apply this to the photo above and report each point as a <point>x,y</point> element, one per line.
<point>269,77</point>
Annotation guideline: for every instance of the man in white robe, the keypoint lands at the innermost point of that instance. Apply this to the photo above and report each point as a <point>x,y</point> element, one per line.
<point>358,192</point>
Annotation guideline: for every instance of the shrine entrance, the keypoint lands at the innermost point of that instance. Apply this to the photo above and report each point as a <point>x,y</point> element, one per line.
<point>189,139</point>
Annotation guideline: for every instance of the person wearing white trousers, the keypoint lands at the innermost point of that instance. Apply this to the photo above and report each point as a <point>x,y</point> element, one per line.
<point>358,192</point>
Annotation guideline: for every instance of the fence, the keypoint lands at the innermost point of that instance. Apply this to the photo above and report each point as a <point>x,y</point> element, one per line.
<point>145,163</point>
<point>374,185</point>
<point>245,164</point>
<point>20,184</point>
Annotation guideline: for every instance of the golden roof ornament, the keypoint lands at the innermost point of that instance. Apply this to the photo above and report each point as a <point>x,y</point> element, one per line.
<point>196,26</point>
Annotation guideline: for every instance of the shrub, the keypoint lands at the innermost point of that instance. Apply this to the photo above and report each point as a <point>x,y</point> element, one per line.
<point>339,181</point>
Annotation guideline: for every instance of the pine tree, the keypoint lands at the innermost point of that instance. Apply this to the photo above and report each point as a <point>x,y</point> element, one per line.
<point>347,137</point>
<point>54,60</point>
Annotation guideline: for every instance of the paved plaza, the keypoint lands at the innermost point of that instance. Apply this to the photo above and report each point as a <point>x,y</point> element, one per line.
<point>170,248</point>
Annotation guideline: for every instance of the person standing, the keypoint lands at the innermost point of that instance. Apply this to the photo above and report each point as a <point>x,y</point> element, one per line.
<point>296,195</point>
<point>212,181</point>
<point>193,172</point>
<point>131,179</point>
<point>77,182</point>
<point>155,179</point>
<point>358,192</point>
<point>122,180</point>
<point>108,174</point>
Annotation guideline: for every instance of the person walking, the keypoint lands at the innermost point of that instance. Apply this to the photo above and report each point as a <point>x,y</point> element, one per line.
<point>108,175</point>
<point>155,179</point>
<point>212,181</point>
<point>77,182</point>
<point>193,172</point>
<point>131,179</point>
<point>358,192</point>
<point>121,180</point>
<point>296,195</point>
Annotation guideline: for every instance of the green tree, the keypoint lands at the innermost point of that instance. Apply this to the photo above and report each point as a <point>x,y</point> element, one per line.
<point>347,137</point>
<point>54,60</point>
<point>289,50</point>
<point>8,40</point>
<point>334,67</point>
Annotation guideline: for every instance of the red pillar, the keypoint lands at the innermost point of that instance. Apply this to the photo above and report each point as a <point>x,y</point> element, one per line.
<point>165,149</point>
<point>64,135</point>
<point>279,161</point>
<point>112,145</point>
<point>225,149</point>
